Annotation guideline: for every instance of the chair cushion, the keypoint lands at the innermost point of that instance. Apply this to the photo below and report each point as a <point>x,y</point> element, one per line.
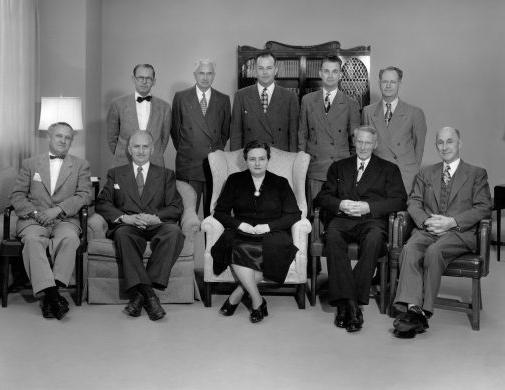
<point>469,266</point>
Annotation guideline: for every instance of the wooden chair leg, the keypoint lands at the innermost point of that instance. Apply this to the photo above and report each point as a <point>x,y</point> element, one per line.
<point>5,279</point>
<point>300,296</point>
<point>207,294</point>
<point>393,272</point>
<point>79,277</point>
<point>475,315</point>
<point>313,281</point>
<point>383,273</point>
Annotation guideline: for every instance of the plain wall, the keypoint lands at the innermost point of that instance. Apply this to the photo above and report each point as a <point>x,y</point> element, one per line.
<point>451,52</point>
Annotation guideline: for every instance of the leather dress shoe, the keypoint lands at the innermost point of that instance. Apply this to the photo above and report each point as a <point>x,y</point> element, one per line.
<point>258,314</point>
<point>408,324</point>
<point>355,322</point>
<point>134,307</point>
<point>55,308</point>
<point>228,309</point>
<point>153,308</point>
<point>342,317</point>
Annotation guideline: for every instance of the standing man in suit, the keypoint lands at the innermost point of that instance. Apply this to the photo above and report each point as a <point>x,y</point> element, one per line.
<point>327,121</point>
<point>265,111</point>
<point>139,111</point>
<point>48,194</point>
<point>448,201</point>
<point>401,127</point>
<point>200,125</point>
<point>358,195</point>
<point>140,203</point>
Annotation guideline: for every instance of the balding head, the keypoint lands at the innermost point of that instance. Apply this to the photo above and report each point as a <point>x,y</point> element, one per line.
<point>141,147</point>
<point>448,143</point>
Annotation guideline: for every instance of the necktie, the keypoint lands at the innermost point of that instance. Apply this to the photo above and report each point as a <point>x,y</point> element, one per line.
<point>361,169</point>
<point>59,156</point>
<point>389,114</point>
<point>327,103</point>
<point>140,180</point>
<point>264,100</point>
<point>140,99</point>
<point>447,174</point>
<point>203,104</point>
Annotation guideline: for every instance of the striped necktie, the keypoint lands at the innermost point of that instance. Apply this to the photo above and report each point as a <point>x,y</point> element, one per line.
<point>140,180</point>
<point>264,100</point>
<point>389,114</point>
<point>327,103</point>
<point>203,104</point>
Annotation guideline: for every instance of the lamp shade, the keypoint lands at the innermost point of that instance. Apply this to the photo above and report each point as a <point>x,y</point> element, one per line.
<point>60,109</point>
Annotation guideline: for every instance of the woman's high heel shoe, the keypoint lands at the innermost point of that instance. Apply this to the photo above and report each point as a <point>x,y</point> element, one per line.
<point>228,309</point>
<point>258,314</point>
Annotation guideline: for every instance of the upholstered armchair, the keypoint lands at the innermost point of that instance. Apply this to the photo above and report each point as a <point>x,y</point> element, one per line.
<point>105,275</point>
<point>292,166</point>
<point>473,265</point>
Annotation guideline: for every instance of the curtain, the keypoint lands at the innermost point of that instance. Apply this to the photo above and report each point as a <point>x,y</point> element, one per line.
<point>18,70</point>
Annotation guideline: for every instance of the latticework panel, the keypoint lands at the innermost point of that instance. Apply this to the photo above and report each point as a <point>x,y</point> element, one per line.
<point>354,82</point>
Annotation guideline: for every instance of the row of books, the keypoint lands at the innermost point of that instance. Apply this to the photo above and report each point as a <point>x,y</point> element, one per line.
<point>287,68</point>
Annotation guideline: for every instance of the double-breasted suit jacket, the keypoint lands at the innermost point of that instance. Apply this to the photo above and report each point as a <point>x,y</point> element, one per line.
<point>278,126</point>
<point>194,135</point>
<point>122,122</point>
<point>32,191</point>
<point>402,142</point>
<point>327,137</point>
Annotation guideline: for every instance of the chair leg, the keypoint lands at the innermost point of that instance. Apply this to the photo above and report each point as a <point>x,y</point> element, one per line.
<point>300,296</point>
<point>5,279</point>
<point>393,272</point>
<point>383,272</point>
<point>207,294</point>
<point>313,281</point>
<point>79,278</point>
<point>475,315</point>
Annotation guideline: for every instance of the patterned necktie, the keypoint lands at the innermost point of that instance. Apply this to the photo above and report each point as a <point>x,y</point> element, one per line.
<point>361,170</point>
<point>447,174</point>
<point>203,104</point>
<point>389,114</point>
<point>327,103</point>
<point>140,180</point>
<point>264,100</point>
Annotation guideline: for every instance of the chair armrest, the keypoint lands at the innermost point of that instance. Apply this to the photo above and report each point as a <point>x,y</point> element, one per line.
<point>97,226</point>
<point>300,232</point>
<point>403,225</point>
<point>391,224</point>
<point>213,230</point>
<point>190,223</point>
<point>83,219</point>
<point>317,227</point>
<point>483,244</point>
<point>7,222</point>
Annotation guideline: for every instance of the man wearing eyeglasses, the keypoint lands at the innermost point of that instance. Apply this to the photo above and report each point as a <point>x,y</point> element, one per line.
<point>359,193</point>
<point>139,111</point>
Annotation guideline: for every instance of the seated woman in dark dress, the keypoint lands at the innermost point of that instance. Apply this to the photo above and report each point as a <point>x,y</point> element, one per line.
<point>257,239</point>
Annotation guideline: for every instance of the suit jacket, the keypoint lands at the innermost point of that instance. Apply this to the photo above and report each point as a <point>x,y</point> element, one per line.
<point>122,122</point>
<point>32,190</point>
<point>402,142</point>
<point>120,195</point>
<point>195,135</point>
<point>381,186</point>
<point>278,126</point>
<point>469,200</point>
<point>327,137</point>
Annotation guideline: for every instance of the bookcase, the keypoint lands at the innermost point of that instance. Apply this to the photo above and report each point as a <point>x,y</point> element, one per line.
<point>299,68</point>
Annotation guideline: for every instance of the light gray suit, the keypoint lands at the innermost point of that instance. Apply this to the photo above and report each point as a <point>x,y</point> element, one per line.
<point>122,122</point>
<point>402,142</point>
<point>32,192</point>
<point>425,256</point>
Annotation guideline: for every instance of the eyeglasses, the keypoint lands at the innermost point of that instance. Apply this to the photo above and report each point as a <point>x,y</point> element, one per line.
<point>141,79</point>
<point>364,143</point>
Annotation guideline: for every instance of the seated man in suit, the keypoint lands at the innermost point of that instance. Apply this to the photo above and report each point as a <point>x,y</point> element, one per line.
<point>447,203</point>
<point>140,202</point>
<point>200,125</point>
<point>50,190</point>
<point>139,111</point>
<point>265,111</point>
<point>358,195</point>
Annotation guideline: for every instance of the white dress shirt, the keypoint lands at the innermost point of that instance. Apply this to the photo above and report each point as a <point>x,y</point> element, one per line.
<point>332,95</point>
<point>453,166</point>
<point>54,171</point>
<point>394,103</point>
<point>143,111</point>
<point>200,93</point>
<point>145,169</point>
<point>270,90</point>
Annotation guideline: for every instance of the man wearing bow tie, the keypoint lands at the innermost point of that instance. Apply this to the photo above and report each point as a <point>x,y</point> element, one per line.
<point>140,202</point>
<point>200,125</point>
<point>48,194</point>
<point>359,193</point>
<point>401,127</point>
<point>139,111</point>
<point>447,202</point>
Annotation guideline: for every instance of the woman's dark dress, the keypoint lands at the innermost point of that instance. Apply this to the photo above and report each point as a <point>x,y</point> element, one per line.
<point>276,206</point>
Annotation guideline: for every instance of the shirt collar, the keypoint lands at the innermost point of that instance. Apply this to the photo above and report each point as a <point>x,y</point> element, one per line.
<point>139,95</point>
<point>145,168</point>
<point>365,162</point>
<point>454,165</point>
<point>199,93</point>
<point>270,88</point>
<point>394,103</point>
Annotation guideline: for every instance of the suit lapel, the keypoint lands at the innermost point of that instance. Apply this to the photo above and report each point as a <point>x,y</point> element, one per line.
<point>154,113</point>
<point>254,102</point>
<point>398,115</point>
<point>152,184</point>
<point>380,126</point>
<point>131,112</point>
<point>196,110</point>
<point>44,172</point>
<point>367,176</point>
<point>436,181</point>
<point>459,178</point>
<point>130,186</point>
<point>65,171</point>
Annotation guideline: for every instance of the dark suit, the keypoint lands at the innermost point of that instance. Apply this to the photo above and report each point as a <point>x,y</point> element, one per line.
<point>122,122</point>
<point>426,256</point>
<point>160,197</point>
<point>195,136</point>
<point>402,142</point>
<point>278,126</point>
<point>382,187</point>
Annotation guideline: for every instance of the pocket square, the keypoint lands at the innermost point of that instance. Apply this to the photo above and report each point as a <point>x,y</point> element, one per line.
<point>36,177</point>
<point>116,186</point>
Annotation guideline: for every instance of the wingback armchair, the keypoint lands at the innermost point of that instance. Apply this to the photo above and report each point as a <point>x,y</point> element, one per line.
<point>104,270</point>
<point>292,166</point>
